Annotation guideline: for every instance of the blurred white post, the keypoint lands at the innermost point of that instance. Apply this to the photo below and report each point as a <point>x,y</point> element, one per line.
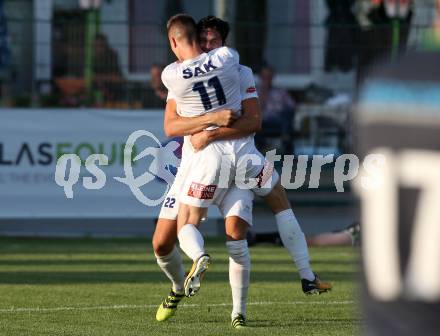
<point>42,40</point>
<point>220,9</point>
<point>225,10</point>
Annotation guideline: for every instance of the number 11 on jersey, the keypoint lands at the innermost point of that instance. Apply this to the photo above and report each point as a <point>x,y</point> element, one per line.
<point>219,93</point>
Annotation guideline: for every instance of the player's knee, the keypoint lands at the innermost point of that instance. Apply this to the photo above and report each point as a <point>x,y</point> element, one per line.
<point>163,244</point>
<point>236,228</point>
<point>235,235</point>
<point>162,247</point>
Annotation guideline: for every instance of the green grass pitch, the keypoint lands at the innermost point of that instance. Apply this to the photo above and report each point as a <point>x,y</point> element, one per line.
<point>113,287</point>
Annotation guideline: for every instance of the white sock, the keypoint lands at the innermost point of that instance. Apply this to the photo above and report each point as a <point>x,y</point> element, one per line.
<point>191,241</point>
<point>239,274</point>
<point>295,242</point>
<point>172,266</point>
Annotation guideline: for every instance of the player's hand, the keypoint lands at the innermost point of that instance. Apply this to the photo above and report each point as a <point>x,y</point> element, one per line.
<point>224,118</point>
<point>199,140</point>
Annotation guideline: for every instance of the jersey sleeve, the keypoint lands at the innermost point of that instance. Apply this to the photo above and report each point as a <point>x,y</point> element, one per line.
<point>226,54</point>
<point>247,83</point>
<point>233,54</point>
<point>170,96</point>
<point>166,80</point>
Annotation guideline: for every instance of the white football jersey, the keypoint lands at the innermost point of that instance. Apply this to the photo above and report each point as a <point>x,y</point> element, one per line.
<point>206,83</point>
<point>247,83</point>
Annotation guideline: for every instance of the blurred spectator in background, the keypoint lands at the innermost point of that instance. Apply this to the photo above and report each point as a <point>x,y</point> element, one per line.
<point>156,84</point>
<point>277,109</point>
<point>155,94</point>
<point>107,75</point>
<point>350,236</point>
<point>347,237</point>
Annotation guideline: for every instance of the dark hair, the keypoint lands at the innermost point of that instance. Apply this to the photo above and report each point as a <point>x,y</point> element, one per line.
<point>185,24</point>
<point>212,22</point>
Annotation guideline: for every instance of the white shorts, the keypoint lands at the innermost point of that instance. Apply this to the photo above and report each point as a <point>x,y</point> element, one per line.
<point>233,201</point>
<point>210,172</point>
<point>236,202</point>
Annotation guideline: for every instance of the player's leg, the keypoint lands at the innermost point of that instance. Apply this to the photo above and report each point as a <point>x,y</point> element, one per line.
<point>192,243</point>
<point>190,239</point>
<point>239,267</point>
<point>200,190</point>
<point>341,238</point>
<point>170,262</point>
<point>196,194</point>
<point>290,232</point>
<point>236,206</point>
<point>269,187</point>
<point>168,257</point>
<point>293,237</point>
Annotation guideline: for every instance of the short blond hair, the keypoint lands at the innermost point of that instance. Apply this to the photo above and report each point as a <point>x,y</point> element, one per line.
<point>182,27</point>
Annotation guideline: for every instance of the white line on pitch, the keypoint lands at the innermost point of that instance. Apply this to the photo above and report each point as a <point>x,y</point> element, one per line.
<point>121,307</point>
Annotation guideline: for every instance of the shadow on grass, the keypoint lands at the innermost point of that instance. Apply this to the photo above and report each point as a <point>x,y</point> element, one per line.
<point>34,245</point>
<point>292,322</point>
<point>94,277</point>
<point>74,262</point>
<point>67,261</point>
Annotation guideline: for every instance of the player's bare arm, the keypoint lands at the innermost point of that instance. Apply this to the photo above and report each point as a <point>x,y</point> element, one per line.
<point>250,122</point>
<point>175,125</point>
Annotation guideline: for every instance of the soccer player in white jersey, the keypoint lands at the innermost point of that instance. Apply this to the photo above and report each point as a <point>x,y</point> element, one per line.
<point>164,238</point>
<point>238,216</point>
<point>201,83</point>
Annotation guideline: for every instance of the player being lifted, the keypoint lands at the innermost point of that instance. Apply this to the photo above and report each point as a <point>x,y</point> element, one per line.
<point>237,211</point>
<point>164,238</point>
